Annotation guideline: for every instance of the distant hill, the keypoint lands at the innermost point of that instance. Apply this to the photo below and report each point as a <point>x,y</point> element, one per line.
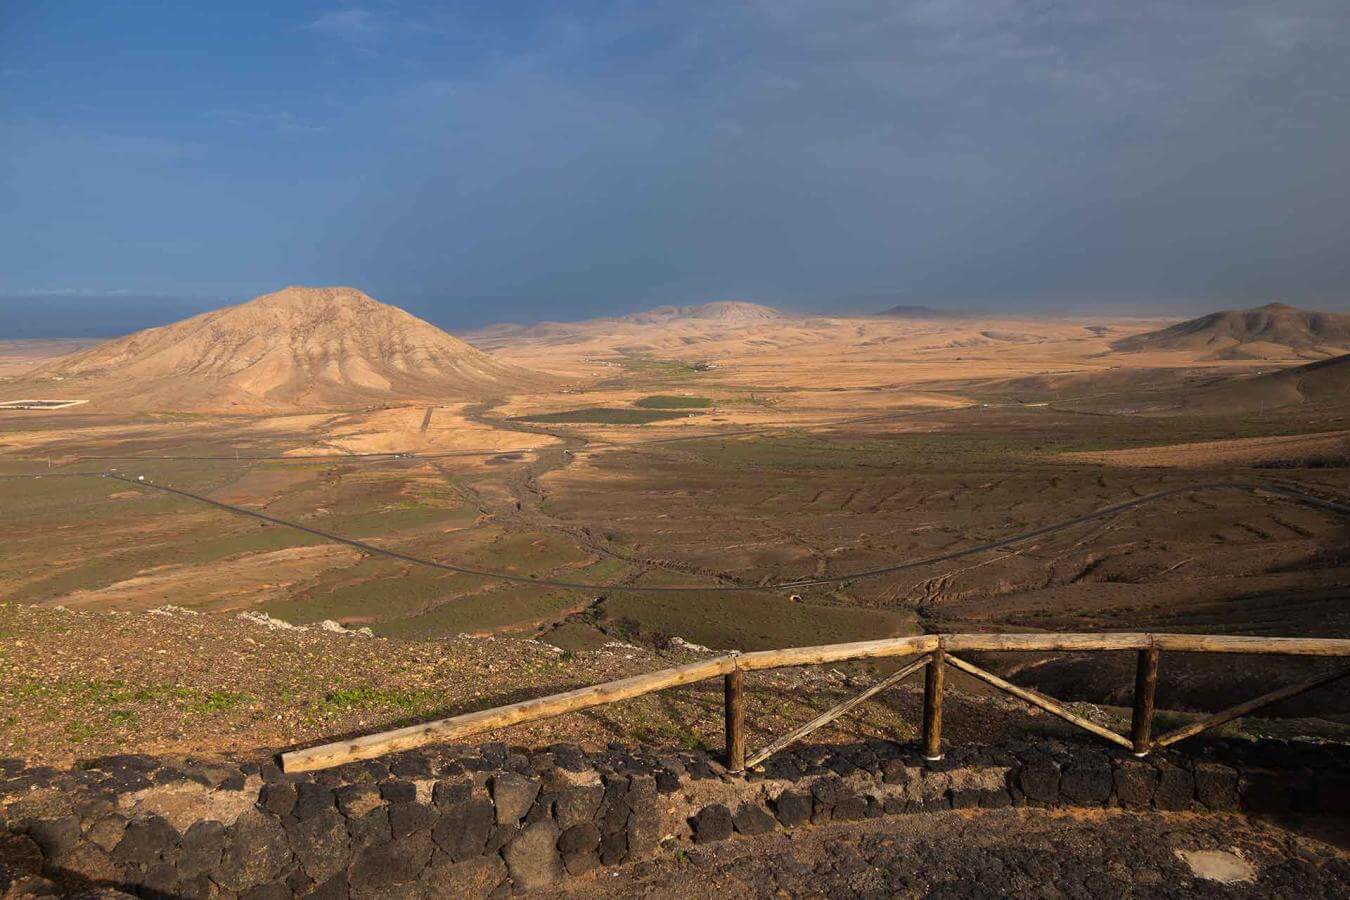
<point>731,311</point>
<point>301,347</point>
<point>1326,381</point>
<point>918,312</point>
<point>1272,331</point>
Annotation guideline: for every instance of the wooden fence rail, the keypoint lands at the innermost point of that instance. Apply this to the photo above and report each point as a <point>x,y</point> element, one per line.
<point>934,654</point>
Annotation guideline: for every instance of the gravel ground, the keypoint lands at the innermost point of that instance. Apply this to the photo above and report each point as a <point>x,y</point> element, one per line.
<point>82,683</point>
<point>1023,853</point>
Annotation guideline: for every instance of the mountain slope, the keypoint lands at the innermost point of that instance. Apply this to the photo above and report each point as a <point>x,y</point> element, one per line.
<point>300,347</point>
<point>1273,330</point>
<point>1325,382</point>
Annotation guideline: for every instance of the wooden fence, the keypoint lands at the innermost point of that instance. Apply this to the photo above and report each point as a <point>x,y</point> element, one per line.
<point>934,654</point>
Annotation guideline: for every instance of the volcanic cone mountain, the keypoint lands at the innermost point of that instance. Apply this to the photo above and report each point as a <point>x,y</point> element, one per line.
<point>301,347</point>
<point>1269,331</point>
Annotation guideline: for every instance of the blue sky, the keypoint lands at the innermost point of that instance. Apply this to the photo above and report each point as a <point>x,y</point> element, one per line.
<point>494,161</point>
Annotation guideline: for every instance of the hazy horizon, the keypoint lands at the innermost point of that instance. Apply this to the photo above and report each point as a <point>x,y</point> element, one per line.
<point>94,316</point>
<point>518,162</point>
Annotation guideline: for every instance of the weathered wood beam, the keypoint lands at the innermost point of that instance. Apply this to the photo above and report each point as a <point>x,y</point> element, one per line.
<point>957,643</point>
<point>932,705</point>
<point>1039,700</point>
<point>733,693</point>
<point>828,653</point>
<point>373,745</point>
<point>1145,686</point>
<point>1232,643</point>
<point>1242,709</point>
<point>835,712</point>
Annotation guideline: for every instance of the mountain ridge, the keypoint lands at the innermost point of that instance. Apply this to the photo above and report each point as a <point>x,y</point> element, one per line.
<point>1256,333</point>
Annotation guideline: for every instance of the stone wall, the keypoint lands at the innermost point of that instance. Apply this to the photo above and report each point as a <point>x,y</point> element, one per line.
<point>490,820</point>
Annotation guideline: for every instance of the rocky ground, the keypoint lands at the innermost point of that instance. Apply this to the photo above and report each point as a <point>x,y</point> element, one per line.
<point>78,684</point>
<point>1014,852</point>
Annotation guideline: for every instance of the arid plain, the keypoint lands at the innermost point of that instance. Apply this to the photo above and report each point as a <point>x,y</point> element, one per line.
<point>798,479</point>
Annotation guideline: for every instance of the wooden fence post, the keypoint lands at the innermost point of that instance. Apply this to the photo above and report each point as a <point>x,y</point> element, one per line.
<point>932,705</point>
<point>1145,685</point>
<point>734,694</point>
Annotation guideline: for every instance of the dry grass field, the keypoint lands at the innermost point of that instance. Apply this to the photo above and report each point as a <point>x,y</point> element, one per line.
<point>728,453</point>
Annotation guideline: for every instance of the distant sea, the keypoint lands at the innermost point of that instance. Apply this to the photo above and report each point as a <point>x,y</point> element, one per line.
<point>80,316</point>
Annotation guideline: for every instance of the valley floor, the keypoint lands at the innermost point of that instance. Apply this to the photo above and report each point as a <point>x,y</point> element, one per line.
<point>833,481</point>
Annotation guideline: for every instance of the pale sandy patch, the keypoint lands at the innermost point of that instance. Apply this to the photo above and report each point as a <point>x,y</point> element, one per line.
<point>227,584</point>
<point>400,430</point>
<point>1242,451</point>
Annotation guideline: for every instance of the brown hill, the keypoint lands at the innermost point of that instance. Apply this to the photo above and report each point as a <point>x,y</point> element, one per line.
<point>730,311</point>
<point>1325,382</point>
<point>1271,331</point>
<point>300,347</point>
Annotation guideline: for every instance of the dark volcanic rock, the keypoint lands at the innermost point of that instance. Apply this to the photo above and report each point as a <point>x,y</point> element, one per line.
<point>1216,786</point>
<point>577,804</point>
<point>582,837</point>
<point>463,830</point>
<point>257,852</point>
<point>532,859</point>
<point>471,879</point>
<point>614,847</point>
<point>371,828</point>
<point>1176,789</point>
<point>713,823</point>
<point>850,809</point>
<point>1039,781</point>
<point>355,800</point>
<point>1135,781</point>
<point>581,862</point>
<point>311,799</point>
<point>1087,781</point>
<point>752,819</point>
<point>380,866</point>
<point>321,844</point>
<point>513,796</point>
<point>407,818</point>
<point>203,844</point>
<point>644,829</point>
<point>793,808</point>
<point>278,798</point>
<point>396,791</point>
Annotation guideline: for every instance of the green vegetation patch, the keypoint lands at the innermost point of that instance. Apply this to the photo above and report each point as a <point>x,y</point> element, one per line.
<point>372,591</point>
<point>346,699</point>
<point>383,522</point>
<point>599,415</point>
<point>108,697</point>
<point>748,621</point>
<point>516,605</point>
<point>672,401</point>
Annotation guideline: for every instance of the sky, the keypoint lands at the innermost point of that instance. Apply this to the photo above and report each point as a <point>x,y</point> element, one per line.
<point>517,161</point>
